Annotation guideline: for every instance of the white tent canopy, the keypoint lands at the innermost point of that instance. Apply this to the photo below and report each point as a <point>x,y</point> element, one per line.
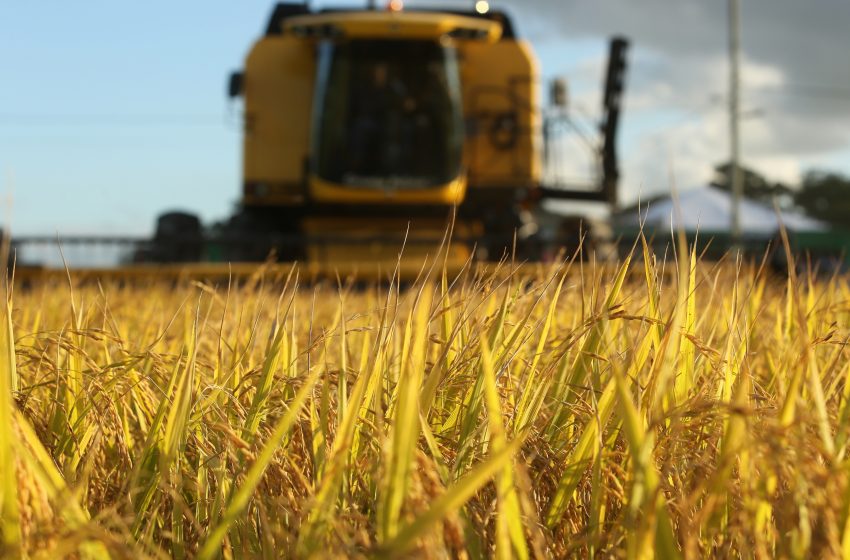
<point>709,209</point>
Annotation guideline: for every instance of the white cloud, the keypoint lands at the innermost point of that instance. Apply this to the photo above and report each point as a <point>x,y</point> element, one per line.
<point>795,82</point>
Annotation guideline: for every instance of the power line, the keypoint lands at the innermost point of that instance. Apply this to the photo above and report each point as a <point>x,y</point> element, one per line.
<point>806,90</point>
<point>110,120</point>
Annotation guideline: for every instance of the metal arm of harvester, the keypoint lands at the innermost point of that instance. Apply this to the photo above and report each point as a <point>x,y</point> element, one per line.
<point>611,104</point>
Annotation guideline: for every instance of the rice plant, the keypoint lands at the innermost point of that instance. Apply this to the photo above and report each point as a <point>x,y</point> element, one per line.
<point>648,409</point>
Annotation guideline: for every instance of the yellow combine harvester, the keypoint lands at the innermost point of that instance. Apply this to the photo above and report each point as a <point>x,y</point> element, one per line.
<point>366,128</point>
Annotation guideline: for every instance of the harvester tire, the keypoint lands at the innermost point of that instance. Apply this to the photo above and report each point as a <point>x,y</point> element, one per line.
<point>178,238</point>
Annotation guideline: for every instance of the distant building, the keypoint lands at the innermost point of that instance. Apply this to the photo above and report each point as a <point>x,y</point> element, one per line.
<point>705,215</point>
<point>708,211</point>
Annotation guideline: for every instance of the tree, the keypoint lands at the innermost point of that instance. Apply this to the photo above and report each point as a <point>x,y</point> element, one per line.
<point>756,186</point>
<point>825,195</point>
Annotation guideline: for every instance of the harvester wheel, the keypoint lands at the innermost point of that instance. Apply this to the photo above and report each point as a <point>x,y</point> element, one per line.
<point>178,238</point>
<point>258,234</point>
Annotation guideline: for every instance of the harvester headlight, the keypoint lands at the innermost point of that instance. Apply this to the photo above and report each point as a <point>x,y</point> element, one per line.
<point>482,6</point>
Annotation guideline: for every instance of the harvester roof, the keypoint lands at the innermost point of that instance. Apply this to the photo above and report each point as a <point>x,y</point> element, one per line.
<point>285,11</point>
<point>392,24</point>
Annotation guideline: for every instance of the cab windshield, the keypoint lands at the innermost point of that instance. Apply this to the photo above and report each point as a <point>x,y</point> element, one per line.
<point>387,114</point>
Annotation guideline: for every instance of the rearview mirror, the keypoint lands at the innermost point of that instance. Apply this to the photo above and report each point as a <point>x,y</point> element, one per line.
<point>234,85</point>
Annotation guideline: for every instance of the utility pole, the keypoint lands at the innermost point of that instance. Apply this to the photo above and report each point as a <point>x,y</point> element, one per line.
<point>735,117</point>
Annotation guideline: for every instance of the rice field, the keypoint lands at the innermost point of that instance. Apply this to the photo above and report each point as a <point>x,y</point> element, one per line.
<point>649,409</point>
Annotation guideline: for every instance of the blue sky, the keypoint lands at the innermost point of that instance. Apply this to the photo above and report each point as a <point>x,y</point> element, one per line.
<point>115,111</point>
<point>111,112</point>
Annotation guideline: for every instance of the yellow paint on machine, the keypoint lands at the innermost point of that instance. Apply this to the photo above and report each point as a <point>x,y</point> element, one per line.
<point>500,83</point>
<point>278,89</point>
<point>449,194</point>
<point>381,243</point>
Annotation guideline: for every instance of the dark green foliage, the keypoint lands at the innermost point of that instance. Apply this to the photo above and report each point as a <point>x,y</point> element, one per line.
<point>826,195</point>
